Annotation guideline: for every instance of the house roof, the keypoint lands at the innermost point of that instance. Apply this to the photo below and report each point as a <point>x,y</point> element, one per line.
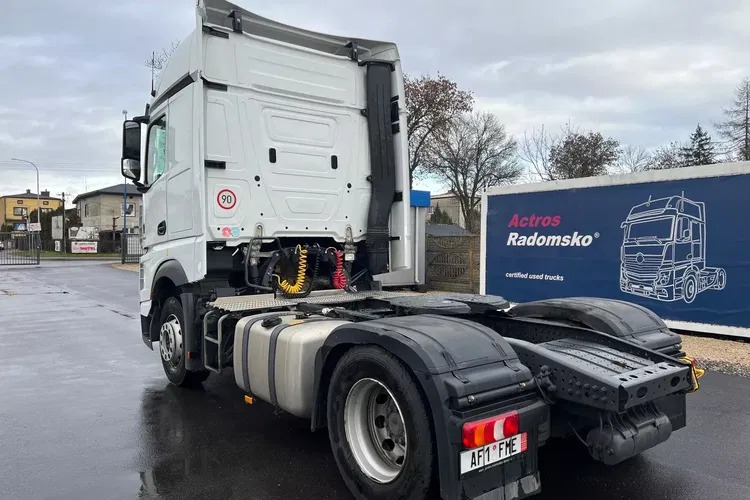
<point>29,195</point>
<point>446,230</point>
<point>118,189</point>
<point>449,194</point>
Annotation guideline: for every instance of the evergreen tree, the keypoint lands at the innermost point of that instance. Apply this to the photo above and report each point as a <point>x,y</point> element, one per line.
<point>700,150</point>
<point>440,217</point>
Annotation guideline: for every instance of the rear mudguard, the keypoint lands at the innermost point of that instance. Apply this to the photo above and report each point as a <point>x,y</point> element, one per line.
<point>625,320</point>
<point>451,359</point>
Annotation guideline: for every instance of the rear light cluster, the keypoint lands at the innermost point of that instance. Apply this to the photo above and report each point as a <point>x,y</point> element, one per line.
<point>489,430</point>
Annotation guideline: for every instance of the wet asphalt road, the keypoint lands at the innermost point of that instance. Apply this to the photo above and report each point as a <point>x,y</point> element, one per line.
<point>85,413</point>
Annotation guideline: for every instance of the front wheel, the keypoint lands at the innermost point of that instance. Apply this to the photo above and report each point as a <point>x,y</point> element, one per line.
<point>172,347</point>
<point>689,288</point>
<point>379,428</point>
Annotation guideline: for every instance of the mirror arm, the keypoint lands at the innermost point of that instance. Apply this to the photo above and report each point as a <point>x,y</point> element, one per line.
<point>144,119</point>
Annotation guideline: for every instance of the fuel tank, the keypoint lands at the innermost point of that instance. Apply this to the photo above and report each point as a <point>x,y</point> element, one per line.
<point>274,358</point>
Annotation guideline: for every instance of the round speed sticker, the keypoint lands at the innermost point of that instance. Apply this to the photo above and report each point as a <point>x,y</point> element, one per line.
<point>226,199</point>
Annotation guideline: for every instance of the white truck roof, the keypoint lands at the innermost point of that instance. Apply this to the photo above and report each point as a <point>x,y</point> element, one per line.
<point>217,13</point>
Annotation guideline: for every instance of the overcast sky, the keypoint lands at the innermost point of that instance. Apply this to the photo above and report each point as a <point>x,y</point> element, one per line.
<point>644,72</point>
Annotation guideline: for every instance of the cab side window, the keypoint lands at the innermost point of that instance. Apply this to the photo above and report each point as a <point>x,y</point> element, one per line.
<point>684,231</point>
<point>156,156</point>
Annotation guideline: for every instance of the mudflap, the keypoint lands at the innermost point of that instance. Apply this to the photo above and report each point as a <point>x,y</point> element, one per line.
<point>674,407</point>
<point>514,478</point>
<point>467,373</point>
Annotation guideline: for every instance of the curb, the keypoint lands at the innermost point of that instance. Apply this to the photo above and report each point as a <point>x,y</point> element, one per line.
<point>79,259</point>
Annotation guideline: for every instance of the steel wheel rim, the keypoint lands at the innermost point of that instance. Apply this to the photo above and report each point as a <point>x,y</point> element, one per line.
<point>375,430</point>
<point>170,341</point>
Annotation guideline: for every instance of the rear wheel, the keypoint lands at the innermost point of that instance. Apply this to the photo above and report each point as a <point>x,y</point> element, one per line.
<point>379,428</point>
<point>721,279</point>
<point>172,346</point>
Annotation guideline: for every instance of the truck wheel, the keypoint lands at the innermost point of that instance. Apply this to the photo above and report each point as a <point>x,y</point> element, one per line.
<point>689,288</point>
<point>379,427</point>
<point>721,279</point>
<point>171,346</point>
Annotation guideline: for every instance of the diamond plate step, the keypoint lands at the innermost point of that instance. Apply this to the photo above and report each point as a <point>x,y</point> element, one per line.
<point>267,300</point>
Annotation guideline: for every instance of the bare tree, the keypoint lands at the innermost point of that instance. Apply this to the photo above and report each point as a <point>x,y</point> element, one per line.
<point>735,128</point>
<point>633,159</point>
<point>473,153</point>
<point>431,103</point>
<point>570,154</point>
<point>534,150</point>
<point>583,155</point>
<point>669,156</point>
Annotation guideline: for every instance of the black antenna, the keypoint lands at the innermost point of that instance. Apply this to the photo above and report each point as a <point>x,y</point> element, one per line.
<point>153,63</point>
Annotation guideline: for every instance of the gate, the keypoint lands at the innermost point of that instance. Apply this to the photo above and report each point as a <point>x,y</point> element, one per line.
<point>132,248</point>
<point>19,249</point>
<point>453,263</point>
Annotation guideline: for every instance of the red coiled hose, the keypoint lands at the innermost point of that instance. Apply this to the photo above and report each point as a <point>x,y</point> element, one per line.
<point>339,278</point>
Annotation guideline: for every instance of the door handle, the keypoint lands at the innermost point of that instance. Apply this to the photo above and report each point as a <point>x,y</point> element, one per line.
<point>161,229</point>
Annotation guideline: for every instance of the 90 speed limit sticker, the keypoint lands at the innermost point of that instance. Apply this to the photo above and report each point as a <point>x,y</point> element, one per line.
<point>226,199</point>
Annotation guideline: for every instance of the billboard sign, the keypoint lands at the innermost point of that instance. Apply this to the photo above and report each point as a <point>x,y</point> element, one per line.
<point>677,247</point>
<point>84,246</point>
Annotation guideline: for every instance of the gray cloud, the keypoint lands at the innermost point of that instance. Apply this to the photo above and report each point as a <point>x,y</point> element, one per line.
<point>644,72</point>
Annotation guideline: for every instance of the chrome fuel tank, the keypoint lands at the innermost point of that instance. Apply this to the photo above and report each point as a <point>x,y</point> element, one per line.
<point>274,358</point>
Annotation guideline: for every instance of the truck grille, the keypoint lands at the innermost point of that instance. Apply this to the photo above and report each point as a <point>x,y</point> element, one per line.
<point>648,269</point>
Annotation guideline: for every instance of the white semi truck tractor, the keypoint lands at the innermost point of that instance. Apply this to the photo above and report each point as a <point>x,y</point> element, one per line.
<point>281,241</point>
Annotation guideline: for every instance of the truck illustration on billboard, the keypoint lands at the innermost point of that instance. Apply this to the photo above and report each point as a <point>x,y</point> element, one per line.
<point>663,253</point>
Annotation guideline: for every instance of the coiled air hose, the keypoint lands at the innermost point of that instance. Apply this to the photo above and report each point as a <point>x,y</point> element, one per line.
<point>299,283</point>
<point>339,278</point>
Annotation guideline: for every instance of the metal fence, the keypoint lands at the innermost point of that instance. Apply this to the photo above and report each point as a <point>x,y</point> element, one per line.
<point>453,263</point>
<point>19,249</point>
<point>132,248</point>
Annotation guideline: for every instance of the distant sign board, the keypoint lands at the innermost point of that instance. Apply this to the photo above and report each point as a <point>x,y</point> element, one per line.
<point>57,246</point>
<point>57,228</point>
<point>84,246</point>
<point>83,233</point>
<point>35,226</point>
<point>19,226</point>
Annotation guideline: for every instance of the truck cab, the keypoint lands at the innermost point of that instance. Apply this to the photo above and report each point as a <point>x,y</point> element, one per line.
<point>663,254</point>
<point>262,136</point>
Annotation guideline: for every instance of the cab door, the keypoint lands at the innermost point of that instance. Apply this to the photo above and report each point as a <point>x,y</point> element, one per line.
<point>155,199</point>
<point>179,171</point>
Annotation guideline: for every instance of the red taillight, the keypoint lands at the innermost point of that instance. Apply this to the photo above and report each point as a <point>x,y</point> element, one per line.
<point>511,425</point>
<point>489,430</point>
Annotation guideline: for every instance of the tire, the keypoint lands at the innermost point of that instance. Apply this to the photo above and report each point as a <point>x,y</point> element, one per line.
<point>389,381</point>
<point>171,348</point>
<point>689,288</point>
<point>721,279</point>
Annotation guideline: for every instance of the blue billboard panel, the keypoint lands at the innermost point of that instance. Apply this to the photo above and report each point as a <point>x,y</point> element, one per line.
<point>679,247</point>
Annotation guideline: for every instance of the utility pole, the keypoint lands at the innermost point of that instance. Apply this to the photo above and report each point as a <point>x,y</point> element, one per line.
<point>64,215</point>
<point>124,198</point>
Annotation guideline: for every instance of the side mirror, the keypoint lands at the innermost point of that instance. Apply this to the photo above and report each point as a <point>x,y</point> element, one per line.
<point>131,150</point>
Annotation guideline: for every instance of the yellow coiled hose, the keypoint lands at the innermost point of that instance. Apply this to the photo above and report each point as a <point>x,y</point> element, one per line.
<point>301,270</point>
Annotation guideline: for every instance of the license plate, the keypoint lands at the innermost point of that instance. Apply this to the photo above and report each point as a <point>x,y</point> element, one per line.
<point>492,453</point>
